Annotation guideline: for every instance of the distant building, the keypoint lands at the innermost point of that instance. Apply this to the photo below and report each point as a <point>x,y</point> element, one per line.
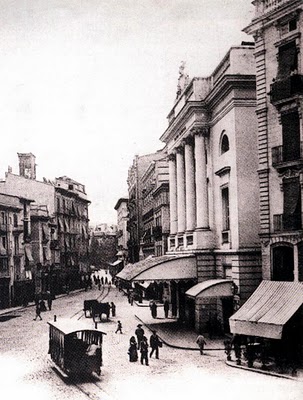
<point>16,261</point>
<point>135,223</point>
<point>122,233</point>
<point>60,225</point>
<point>155,208</point>
<point>103,246</point>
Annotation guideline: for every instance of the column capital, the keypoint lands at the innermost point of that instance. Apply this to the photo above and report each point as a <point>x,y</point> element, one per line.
<point>180,149</point>
<point>188,140</point>
<point>200,130</point>
<point>171,156</point>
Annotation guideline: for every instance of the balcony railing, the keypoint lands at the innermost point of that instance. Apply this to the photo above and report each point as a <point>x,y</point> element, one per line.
<point>279,157</point>
<point>287,222</point>
<point>286,88</point>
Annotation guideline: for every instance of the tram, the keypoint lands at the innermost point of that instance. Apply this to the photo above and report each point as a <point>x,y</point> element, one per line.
<point>74,348</point>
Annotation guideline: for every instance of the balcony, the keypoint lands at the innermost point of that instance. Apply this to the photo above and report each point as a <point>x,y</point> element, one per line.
<point>286,88</point>
<point>280,160</point>
<point>287,222</point>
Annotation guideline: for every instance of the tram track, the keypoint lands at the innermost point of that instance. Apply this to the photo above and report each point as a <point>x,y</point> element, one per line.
<point>92,394</point>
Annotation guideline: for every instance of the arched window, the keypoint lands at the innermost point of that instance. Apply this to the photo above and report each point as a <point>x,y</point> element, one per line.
<point>224,143</point>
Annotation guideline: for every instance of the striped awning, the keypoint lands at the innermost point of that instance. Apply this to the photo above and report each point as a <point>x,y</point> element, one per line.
<point>268,309</point>
<point>211,288</point>
<point>163,268</point>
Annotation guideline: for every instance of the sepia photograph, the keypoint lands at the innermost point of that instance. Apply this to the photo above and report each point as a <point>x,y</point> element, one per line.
<point>151,199</point>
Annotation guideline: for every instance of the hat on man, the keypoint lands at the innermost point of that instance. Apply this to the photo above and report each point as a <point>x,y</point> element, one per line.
<point>139,325</point>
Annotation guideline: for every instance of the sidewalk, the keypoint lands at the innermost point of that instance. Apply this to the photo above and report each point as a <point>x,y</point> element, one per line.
<point>176,335</point>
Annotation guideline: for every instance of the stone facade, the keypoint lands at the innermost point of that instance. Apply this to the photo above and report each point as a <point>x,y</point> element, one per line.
<point>135,224</point>
<point>277,29</point>
<point>16,278</point>
<point>59,219</point>
<point>155,208</point>
<point>122,234</point>
<point>211,141</point>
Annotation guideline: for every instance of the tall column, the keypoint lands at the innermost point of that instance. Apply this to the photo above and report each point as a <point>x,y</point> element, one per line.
<point>181,190</point>
<point>173,194</point>
<point>201,180</point>
<point>190,188</point>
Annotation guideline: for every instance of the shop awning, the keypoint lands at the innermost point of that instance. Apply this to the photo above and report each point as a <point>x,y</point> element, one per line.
<point>211,288</point>
<point>268,309</point>
<point>164,268</point>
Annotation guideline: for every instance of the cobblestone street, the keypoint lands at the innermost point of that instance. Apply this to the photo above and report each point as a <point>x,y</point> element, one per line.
<point>25,370</point>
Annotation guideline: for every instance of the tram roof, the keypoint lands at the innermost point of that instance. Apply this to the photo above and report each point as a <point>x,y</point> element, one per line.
<point>67,326</point>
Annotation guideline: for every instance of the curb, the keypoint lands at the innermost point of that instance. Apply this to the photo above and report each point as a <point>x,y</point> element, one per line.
<point>260,371</point>
<point>174,346</point>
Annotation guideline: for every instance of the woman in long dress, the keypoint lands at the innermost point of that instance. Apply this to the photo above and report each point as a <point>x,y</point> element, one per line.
<point>132,351</point>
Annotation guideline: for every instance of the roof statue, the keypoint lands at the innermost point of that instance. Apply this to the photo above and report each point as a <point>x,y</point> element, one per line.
<point>183,79</point>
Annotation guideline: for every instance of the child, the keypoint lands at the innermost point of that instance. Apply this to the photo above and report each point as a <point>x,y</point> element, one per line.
<point>38,312</point>
<point>119,327</point>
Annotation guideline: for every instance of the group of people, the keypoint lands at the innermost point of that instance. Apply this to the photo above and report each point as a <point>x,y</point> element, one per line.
<point>153,308</point>
<point>142,345</point>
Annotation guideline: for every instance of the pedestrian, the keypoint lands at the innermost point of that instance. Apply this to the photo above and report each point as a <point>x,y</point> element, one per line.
<point>132,351</point>
<point>102,280</point>
<point>155,343</point>
<point>166,308</point>
<point>113,307</point>
<point>42,305</point>
<point>106,280</point>
<point>38,312</point>
<point>144,350</point>
<point>131,299</point>
<point>201,343</point>
<point>139,332</point>
<point>49,301</point>
<point>119,327</point>
<point>153,308</point>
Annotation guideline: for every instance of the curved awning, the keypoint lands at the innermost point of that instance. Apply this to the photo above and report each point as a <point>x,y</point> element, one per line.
<point>268,309</point>
<point>163,268</point>
<point>211,288</point>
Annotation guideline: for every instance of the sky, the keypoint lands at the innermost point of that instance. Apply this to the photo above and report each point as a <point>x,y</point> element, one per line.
<point>88,84</point>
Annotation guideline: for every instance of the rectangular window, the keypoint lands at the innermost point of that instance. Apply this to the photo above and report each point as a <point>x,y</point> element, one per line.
<point>225,208</point>
<point>16,245</point>
<point>15,217</point>
<point>291,136</point>
<point>287,60</point>
<point>292,204</point>
<point>3,264</point>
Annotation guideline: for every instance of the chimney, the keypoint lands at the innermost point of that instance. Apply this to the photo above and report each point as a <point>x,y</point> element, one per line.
<point>27,165</point>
